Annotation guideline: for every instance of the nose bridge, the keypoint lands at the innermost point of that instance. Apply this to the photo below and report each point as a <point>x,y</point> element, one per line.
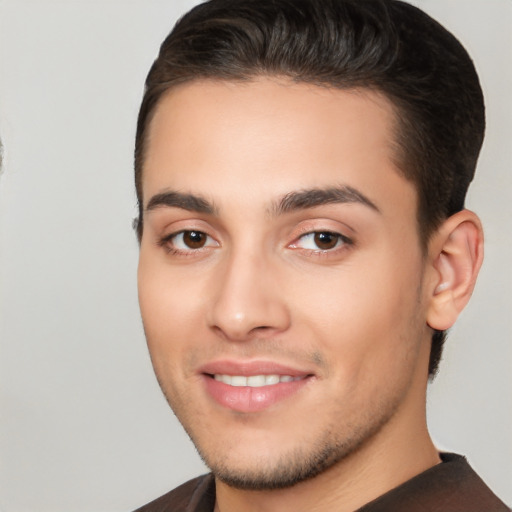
<point>247,299</point>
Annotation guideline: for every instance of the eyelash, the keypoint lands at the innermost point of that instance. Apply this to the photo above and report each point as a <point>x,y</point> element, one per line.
<point>342,243</point>
<point>167,241</point>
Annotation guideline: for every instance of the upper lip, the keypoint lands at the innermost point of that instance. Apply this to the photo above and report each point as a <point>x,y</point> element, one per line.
<point>250,368</point>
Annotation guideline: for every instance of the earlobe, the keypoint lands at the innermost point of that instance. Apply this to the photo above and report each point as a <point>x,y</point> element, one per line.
<point>456,253</point>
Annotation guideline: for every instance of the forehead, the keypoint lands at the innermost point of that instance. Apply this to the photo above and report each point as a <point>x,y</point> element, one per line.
<point>271,135</point>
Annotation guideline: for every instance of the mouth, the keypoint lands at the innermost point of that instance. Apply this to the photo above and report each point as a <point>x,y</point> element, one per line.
<point>253,386</point>
<point>254,381</point>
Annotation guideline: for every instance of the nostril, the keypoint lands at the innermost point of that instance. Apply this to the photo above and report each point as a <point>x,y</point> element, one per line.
<point>232,333</point>
<point>262,328</point>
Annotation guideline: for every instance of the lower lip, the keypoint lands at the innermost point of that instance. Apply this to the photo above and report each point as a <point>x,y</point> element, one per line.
<point>248,399</point>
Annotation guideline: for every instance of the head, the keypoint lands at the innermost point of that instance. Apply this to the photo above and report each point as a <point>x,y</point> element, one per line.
<point>385,46</point>
<point>383,66</point>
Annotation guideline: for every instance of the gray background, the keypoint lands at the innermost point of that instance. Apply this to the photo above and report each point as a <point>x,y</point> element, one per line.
<point>83,424</point>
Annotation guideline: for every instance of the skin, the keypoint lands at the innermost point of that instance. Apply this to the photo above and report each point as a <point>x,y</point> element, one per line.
<point>352,314</point>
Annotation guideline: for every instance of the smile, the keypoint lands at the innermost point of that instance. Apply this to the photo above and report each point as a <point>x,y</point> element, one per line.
<point>253,393</point>
<point>254,381</point>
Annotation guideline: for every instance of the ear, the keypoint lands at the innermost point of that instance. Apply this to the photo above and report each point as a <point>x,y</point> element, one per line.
<point>456,254</point>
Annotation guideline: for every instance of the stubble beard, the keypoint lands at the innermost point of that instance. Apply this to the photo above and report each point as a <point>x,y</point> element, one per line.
<point>303,463</point>
<point>291,469</point>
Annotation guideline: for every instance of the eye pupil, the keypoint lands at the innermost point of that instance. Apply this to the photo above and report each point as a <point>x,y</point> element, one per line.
<point>325,240</point>
<point>194,239</point>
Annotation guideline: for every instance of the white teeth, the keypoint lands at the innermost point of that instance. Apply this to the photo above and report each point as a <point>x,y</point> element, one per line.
<point>238,380</point>
<point>254,381</point>
<point>271,379</point>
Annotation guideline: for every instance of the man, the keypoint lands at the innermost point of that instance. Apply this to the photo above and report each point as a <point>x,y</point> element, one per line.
<point>301,168</point>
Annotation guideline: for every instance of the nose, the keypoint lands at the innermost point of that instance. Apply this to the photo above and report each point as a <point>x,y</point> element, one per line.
<point>248,302</point>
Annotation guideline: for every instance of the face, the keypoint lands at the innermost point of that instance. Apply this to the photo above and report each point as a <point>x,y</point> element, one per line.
<point>280,276</point>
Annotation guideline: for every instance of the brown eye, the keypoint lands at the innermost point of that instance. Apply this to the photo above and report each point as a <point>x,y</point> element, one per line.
<point>321,241</point>
<point>188,242</point>
<point>325,240</point>
<point>194,239</point>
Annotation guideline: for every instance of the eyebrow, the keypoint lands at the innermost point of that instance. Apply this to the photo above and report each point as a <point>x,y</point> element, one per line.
<point>311,198</point>
<point>188,202</point>
<point>299,200</point>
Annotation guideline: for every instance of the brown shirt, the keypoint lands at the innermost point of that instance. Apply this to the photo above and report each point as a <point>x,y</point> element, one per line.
<point>448,487</point>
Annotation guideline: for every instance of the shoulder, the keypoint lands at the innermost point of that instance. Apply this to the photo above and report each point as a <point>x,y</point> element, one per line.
<point>197,495</point>
<point>452,486</point>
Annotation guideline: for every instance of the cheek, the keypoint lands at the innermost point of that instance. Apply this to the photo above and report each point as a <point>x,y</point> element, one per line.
<point>169,311</point>
<point>366,314</point>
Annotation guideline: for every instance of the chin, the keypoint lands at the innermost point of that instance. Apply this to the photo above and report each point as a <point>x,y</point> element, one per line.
<point>279,467</point>
<point>287,471</point>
